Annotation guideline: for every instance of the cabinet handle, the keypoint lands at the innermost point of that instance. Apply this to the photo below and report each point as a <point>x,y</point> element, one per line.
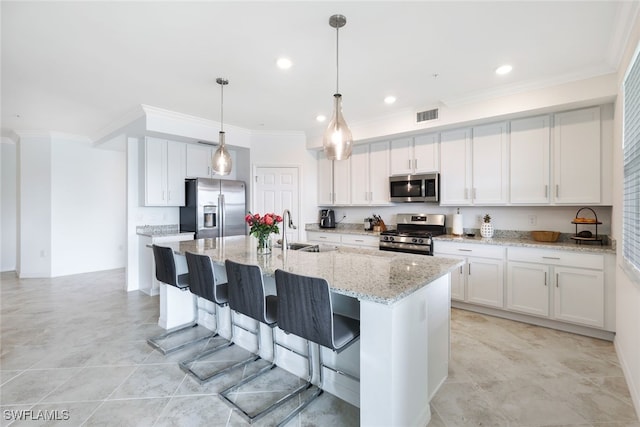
<point>415,163</point>
<point>546,191</point>
<point>545,278</point>
<point>557,190</point>
<point>409,163</point>
<point>208,170</point>
<point>460,269</point>
<point>322,237</point>
<point>359,240</point>
<point>474,193</point>
<point>163,194</point>
<point>550,257</point>
<point>557,280</point>
<point>169,195</point>
<point>465,250</point>
<point>469,269</point>
<point>371,196</point>
<point>466,194</point>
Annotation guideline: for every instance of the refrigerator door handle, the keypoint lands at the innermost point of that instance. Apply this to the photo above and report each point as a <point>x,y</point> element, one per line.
<point>222,213</point>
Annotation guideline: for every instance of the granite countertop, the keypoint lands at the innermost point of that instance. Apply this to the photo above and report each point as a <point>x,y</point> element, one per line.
<point>501,237</point>
<point>378,276</point>
<point>160,230</point>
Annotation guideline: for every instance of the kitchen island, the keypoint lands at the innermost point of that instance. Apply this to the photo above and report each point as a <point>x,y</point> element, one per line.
<point>402,301</point>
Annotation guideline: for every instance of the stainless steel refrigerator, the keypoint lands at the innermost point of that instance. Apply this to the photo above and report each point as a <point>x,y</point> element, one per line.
<point>214,208</point>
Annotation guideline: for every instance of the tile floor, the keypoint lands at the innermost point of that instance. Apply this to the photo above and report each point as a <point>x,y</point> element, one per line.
<point>74,349</point>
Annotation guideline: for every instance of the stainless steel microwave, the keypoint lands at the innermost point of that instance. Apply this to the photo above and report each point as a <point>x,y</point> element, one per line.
<point>415,188</point>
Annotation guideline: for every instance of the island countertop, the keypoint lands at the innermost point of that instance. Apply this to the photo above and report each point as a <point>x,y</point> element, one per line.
<point>365,274</point>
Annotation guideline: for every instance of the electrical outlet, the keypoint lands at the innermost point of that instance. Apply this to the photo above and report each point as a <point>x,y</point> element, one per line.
<point>533,220</point>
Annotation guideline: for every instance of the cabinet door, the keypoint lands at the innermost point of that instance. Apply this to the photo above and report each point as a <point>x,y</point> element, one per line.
<point>426,152</point>
<point>577,155</point>
<point>455,165</point>
<point>401,157</point>
<point>579,296</point>
<point>528,288</point>
<point>529,154</point>
<point>485,281</point>
<point>378,173</point>
<point>360,194</point>
<point>199,161</point>
<point>155,172</point>
<point>341,185</point>
<point>176,171</point>
<point>490,164</point>
<point>325,180</point>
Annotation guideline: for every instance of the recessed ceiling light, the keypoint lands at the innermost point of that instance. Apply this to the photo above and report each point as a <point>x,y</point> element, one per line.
<point>504,69</point>
<point>284,63</point>
<point>321,118</point>
<point>389,99</point>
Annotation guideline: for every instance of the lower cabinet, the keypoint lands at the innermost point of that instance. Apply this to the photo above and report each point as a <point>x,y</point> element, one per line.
<point>481,279</point>
<point>346,239</point>
<point>559,285</point>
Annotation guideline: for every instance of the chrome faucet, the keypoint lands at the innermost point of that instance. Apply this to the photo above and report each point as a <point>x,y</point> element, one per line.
<point>286,213</point>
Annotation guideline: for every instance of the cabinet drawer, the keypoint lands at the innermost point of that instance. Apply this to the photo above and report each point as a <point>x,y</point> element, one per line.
<point>570,259</point>
<point>468,249</point>
<point>319,236</point>
<point>360,240</point>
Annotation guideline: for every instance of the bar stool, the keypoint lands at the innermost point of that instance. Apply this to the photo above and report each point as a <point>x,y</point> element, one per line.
<point>305,310</point>
<point>166,273</point>
<point>205,284</point>
<point>247,296</point>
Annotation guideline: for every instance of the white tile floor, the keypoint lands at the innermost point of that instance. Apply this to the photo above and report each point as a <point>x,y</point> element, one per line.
<point>74,348</point>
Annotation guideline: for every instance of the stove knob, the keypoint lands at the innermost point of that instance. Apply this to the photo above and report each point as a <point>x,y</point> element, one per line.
<point>391,238</point>
<point>414,240</point>
<point>420,241</point>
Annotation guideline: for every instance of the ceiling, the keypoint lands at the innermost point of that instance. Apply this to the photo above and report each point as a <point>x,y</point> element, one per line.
<point>78,67</point>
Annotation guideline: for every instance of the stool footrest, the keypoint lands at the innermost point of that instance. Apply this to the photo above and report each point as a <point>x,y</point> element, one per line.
<point>156,342</point>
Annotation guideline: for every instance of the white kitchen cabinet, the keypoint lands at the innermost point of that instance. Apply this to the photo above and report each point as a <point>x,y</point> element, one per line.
<point>530,145</point>
<point>164,172</point>
<point>572,282</point>
<point>577,157</point>
<point>415,155</point>
<point>474,166</point>
<point>455,167</point>
<point>481,279</point>
<point>334,181</point>
<point>346,239</point>
<point>199,165</point>
<point>370,174</point>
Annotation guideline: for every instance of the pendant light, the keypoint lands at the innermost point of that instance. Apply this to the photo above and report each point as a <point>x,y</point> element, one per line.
<point>337,140</point>
<point>221,158</point>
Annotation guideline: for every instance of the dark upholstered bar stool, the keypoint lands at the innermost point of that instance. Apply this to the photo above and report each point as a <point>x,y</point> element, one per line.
<point>247,296</point>
<point>305,310</point>
<point>205,284</point>
<point>166,273</point>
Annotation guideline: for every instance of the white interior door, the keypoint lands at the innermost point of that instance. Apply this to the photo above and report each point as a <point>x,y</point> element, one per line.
<point>277,189</point>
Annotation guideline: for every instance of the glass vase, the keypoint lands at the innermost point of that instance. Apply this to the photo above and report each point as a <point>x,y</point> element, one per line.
<point>264,244</point>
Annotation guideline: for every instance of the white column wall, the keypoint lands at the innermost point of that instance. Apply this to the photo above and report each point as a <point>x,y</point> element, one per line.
<point>88,188</point>
<point>34,205</point>
<point>8,205</point>
<point>627,339</point>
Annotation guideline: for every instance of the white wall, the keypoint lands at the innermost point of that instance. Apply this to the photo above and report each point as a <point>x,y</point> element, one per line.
<point>88,207</point>
<point>8,205</point>
<point>34,205</point>
<point>627,290</point>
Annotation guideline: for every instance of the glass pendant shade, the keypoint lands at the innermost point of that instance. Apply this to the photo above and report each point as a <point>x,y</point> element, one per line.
<point>221,158</point>
<point>337,141</point>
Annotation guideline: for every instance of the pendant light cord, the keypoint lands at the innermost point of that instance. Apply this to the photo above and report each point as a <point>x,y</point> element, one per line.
<point>337,58</point>
<point>221,107</point>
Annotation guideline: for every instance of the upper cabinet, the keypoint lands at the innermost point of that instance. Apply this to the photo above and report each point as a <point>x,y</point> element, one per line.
<point>414,155</point>
<point>577,157</point>
<point>333,181</point>
<point>370,174</point>
<point>199,162</point>
<point>530,148</point>
<point>474,166</point>
<point>164,172</point>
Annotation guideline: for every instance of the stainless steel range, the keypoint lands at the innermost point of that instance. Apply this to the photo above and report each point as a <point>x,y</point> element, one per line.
<point>413,233</point>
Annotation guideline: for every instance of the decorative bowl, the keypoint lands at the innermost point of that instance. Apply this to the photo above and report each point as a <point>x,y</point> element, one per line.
<point>545,236</point>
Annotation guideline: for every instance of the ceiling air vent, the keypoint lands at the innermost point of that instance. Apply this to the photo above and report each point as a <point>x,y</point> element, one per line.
<point>423,116</point>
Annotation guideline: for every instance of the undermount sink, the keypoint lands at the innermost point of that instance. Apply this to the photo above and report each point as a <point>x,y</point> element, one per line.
<point>309,247</point>
<point>298,246</point>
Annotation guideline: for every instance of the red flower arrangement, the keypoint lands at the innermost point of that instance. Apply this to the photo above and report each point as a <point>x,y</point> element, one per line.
<point>262,226</point>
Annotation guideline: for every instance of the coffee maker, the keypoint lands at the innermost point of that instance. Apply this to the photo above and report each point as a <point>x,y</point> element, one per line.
<point>327,218</point>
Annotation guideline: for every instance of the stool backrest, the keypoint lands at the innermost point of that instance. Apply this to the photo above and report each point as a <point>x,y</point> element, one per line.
<point>246,290</point>
<point>202,279</point>
<point>165,265</point>
<point>304,307</point>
